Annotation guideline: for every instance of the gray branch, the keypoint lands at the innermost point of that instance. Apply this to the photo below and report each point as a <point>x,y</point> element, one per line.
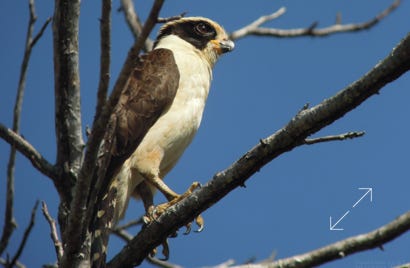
<point>134,22</point>
<point>26,149</point>
<point>340,137</point>
<point>255,28</point>
<point>347,246</point>
<point>68,128</point>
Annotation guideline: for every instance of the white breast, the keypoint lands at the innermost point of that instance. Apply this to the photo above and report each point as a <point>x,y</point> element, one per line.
<point>175,129</point>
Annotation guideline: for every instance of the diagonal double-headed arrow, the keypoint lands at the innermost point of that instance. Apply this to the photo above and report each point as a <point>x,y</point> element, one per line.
<point>332,227</point>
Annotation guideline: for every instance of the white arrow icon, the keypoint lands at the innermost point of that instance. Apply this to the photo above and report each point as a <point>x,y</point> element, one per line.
<point>369,190</point>
<point>332,227</point>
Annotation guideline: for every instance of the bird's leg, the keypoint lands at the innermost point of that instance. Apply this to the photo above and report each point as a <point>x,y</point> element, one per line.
<point>174,198</point>
<point>147,198</point>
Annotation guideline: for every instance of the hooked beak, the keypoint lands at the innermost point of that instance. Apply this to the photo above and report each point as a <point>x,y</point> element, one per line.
<point>223,46</point>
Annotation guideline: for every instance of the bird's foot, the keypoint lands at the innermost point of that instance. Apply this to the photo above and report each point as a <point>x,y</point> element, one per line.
<point>153,213</point>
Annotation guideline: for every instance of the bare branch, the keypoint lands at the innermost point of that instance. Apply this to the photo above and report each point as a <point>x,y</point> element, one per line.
<point>68,127</point>
<point>123,234</point>
<point>40,33</point>
<point>255,29</point>
<point>248,29</point>
<point>25,148</point>
<point>5,263</point>
<point>53,232</point>
<point>168,19</point>
<point>25,236</point>
<point>341,137</point>
<point>130,224</point>
<point>341,249</point>
<point>105,56</point>
<point>407,265</point>
<point>134,23</point>
<point>348,246</point>
<point>161,263</point>
<point>305,123</point>
<point>9,221</point>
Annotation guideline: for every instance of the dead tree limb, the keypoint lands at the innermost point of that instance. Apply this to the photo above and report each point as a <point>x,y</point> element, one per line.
<point>53,232</point>
<point>255,28</point>
<point>134,23</point>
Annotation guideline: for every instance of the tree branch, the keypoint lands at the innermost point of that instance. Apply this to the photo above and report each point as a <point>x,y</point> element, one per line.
<point>105,56</point>
<point>67,101</point>
<point>9,221</point>
<point>25,236</point>
<point>305,123</point>
<point>134,23</point>
<point>341,137</point>
<point>255,29</point>
<point>340,249</point>
<point>347,246</point>
<point>53,232</point>
<point>26,149</point>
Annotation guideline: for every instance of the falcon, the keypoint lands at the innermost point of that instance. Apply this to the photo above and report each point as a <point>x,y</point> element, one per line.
<point>159,113</point>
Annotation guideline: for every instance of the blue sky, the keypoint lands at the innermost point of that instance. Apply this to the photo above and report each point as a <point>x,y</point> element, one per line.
<point>257,88</point>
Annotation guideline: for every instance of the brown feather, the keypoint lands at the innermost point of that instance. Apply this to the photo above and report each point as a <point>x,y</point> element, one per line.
<point>150,91</point>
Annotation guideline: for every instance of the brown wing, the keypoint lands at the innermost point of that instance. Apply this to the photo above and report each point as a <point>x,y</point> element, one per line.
<point>150,90</point>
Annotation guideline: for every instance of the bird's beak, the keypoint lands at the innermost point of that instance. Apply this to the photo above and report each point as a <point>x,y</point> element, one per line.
<point>223,46</point>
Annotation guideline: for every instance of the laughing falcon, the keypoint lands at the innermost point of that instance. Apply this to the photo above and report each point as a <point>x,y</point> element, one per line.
<point>166,95</point>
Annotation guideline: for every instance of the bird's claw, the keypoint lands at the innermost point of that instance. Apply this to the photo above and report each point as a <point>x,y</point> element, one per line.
<point>165,251</point>
<point>153,213</point>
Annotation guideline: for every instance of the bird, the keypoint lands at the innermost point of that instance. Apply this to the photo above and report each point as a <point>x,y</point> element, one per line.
<point>159,113</point>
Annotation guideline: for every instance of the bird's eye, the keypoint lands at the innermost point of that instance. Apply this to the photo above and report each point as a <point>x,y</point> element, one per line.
<point>204,29</point>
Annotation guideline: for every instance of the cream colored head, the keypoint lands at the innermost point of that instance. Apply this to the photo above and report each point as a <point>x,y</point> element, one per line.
<point>205,35</point>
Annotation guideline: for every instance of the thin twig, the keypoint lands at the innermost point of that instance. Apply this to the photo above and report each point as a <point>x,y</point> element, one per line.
<point>40,33</point>
<point>9,221</point>
<point>25,148</point>
<point>255,29</point>
<point>25,236</point>
<point>123,234</point>
<point>340,137</point>
<point>255,24</point>
<point>406,265</point>
<point>53,232</point>
<point>161,263</point>
<point>168,19</point>
<point>134,22</point>
<point>130,224</point>
<point>5,263</point>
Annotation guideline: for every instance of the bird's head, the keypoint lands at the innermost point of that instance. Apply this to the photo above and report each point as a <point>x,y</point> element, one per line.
<point>206,36</point>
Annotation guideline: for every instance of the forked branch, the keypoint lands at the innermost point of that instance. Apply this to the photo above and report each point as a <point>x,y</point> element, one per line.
<point>255,28</point>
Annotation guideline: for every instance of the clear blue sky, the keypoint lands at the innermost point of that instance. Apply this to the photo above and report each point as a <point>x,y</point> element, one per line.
<point>285,208</point>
